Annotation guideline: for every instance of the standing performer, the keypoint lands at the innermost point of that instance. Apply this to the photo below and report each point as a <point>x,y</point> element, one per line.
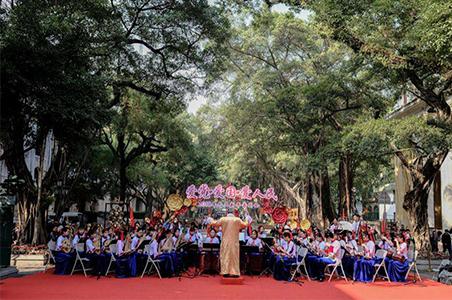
<point>230,247</point>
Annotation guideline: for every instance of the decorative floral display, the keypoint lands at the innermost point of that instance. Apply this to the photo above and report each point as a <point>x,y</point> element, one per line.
<point>175,202</point>
<point>280,215</point>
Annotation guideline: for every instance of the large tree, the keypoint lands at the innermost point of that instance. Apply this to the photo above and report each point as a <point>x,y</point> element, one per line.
<point>410,40</point>
<point>292,94</point>
<point>52,52</point>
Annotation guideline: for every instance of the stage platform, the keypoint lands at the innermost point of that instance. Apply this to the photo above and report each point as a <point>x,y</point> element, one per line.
<point>232,280</point>
<point>48,286</point>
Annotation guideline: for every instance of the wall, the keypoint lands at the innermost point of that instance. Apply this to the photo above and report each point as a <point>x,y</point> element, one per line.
<point>446,192</point>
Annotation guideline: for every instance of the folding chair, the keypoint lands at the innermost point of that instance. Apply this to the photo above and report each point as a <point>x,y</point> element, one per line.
<point>337,264</point>
<point>154,262</point>
<point>412,264</point>
<point>51,245</point>
<point>382,255</point>
<point>302,251</point>
<point>113,250</point>
<point>80,248</point>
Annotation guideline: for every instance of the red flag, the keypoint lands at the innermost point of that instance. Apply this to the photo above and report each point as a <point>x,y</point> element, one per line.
<point>131,218</point>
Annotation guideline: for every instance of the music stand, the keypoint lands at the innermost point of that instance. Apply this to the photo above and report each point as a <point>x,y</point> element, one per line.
<point>267,242</point>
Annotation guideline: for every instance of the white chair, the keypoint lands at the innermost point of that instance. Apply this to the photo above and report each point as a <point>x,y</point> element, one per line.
<point>382,255</point>
<point>412,265</point>
<point>302,251</point>
<point>337,264</point>
<point>80,248</point>
<point>113,250</point>
<point>154,262</point>
<point>51,246</point>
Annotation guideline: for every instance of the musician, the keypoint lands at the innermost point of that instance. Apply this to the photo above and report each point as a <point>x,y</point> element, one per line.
<point>230,246</point>
<point>136,240</point>
<point>334,225</point>
<point>369,247</point>
<point>329,254</point>
<point>401,246</point>
<point>261,232</point>
<point>356,225</point>
<point>254,240</point>
<point>167,255</point>
<point>303,239</point>
<point>385,243</point>
<point>212,238</point>
<point>192,236</point>
<point>364,264</point>
<point>79,237</point>
<point>125,260</point>
<point>95,254</point>
<point>399,264</point>
<point>64,258</point>
<point>63,236</point>
<point>176,236</point>
<point>285,257</point>
<point>105,236</point>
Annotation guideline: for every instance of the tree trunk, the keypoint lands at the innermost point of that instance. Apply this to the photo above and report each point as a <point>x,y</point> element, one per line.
<point>122,168</point>
<point>422,174</point>
<point>346,204</point>
<point>325,196</point>
<point>38,228</point>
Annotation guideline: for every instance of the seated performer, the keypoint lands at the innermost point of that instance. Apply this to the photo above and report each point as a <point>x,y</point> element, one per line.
<point>329,253</point>
<point>385,243</point>
<point>254,240</point>
<point>64,257</point>
<point>212,238</point>
<point>95,254</point>
<point>167,254</point>
<point>285,257</point>
<point>399,264</point>
<point>364,264</point>
<point>79,237</point>
<point>125,260</point>
<point>261,232</point>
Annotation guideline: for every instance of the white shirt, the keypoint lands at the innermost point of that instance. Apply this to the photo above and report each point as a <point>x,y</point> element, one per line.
<point>134,242</point>
<point>355,228</point>
<point>403,250</point>
<point>369,250</point>
<point>210,240</point>
<point>153,249</point>
<point>282,243</point>
<point>385,245</point>
<point>191,238</point>
<point>59,243</point>
<point>75,240</point>
<point>336,247</point>
<point>254,242</point>
<point>90,246</point>
<point>333,227</point>
<point>120,247</point>
<point>291,249</point>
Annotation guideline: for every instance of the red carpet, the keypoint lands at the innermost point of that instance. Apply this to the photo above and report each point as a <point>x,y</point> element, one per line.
<point>49,286</point>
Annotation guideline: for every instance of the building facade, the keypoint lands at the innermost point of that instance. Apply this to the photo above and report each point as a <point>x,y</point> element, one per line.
<point>440,195</point>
